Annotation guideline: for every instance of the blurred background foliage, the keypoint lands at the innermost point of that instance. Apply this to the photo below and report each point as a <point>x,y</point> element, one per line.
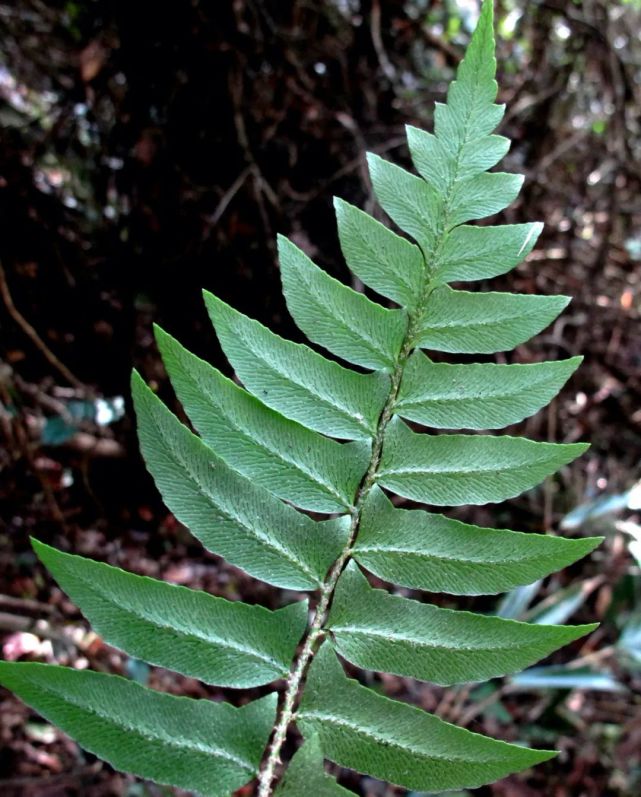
<point>150,150</point>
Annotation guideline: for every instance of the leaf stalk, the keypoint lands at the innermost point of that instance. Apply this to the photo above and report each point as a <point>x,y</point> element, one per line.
<point>316,630</point>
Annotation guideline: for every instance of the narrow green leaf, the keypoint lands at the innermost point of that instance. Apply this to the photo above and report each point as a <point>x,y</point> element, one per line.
<point>389,264</point>
<point>422,550</point>
<point>200,745</point>
<point>475,253</point>
<point>411,202</point>
<point>484,323</point>
<point>396,742</point>
<point>306,775</point>
<point>296,381</point>
<point>229,514</point>
<point>345,322</point>
<point>562,603</point>
<point>478,395</point>
<point>378,631</point>
<point>226,643</point>
<point>514,604</point>
<point>463,469</point>
<point>294,463</point>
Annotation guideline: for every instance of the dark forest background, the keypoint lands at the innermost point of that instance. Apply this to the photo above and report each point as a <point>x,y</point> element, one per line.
<point>151,150</point>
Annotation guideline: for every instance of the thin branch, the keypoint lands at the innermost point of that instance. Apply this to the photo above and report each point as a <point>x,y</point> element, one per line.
<point>41,782</point>
<point>229,194</point>
<point>31,333</point>
<point>377,40</point>
<point>26,605</point>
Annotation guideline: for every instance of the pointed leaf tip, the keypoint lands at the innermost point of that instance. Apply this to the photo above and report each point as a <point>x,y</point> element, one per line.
<point>475,86</point>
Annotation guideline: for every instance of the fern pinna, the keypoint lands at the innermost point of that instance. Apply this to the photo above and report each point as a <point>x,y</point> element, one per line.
<point>307,435</point>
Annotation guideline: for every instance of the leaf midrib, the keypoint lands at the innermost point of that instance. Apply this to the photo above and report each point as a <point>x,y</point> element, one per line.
<point>462,471</point>
<point>427,398</point>
<point>462,323</point>
<point>421,642</point>
<point>389,741</point>
<point>444,557</point>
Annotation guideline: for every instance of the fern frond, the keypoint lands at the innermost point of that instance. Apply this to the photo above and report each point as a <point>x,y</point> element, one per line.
<point>307,434</point>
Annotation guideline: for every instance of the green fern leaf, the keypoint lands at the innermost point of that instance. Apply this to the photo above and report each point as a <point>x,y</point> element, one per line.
<point>393,741</point>
<point>210,747</point>
<point>225,511</point>
<point>226,643</point>
<point>412,203</point>
<point>296,381</point>
<point>311,471</point>
<point>477,395</point>
<point>340,319</point>
<point>306,433</point>
<point>305,774</point>
<point>458,469</point>
<point>378,631</point>
<point>461,322</point>
<point>431,552</point>
<point>389,264</point>
<point>473,253</point>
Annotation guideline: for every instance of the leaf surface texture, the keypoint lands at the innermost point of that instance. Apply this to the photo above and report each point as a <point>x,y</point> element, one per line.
<point>304,433</point>
<point>200,745</point>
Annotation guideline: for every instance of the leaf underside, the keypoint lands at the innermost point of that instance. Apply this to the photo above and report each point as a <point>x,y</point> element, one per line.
<point>226,643</point>
<point>209,747</point>
<point>362,730</point>
<point>288,474</point>
<point>305,774</point>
